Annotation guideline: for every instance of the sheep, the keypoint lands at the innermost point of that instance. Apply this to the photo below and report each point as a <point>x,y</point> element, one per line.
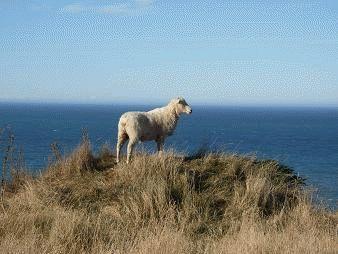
<point>156,124</point>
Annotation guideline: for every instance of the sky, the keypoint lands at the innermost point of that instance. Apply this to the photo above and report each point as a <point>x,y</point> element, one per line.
<point>148,51</point>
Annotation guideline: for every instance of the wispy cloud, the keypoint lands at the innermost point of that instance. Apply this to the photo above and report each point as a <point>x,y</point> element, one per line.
<point>130,7</point>
<point>143,3</point>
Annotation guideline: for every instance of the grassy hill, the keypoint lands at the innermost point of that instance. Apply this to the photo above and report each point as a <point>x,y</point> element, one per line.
<point>207,203</point>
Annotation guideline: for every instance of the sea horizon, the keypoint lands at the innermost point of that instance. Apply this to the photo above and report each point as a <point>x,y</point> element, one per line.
<point>163,103</point>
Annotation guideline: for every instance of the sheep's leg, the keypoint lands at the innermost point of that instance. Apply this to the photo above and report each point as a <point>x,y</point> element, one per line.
<point>120,142</point>
<point>160,143</point>
<point>131,144</point>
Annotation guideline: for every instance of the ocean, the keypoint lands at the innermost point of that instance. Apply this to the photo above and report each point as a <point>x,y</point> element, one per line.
<point>305,139</point>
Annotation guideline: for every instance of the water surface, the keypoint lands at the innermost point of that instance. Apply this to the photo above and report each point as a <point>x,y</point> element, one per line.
<point>304,138</point>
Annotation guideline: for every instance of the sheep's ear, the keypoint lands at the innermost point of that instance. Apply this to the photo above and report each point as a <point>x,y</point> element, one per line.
<point>180,98</point>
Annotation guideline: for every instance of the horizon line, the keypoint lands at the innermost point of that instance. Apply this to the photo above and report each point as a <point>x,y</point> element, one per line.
<point>198,104</point>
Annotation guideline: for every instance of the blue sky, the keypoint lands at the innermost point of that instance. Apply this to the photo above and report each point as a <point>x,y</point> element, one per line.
<point>147,51</point>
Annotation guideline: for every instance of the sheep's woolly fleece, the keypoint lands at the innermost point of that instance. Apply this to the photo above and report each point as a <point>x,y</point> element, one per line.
<point>156,124</point>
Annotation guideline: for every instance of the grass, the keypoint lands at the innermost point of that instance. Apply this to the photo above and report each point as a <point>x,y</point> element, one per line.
<point>207,203</point>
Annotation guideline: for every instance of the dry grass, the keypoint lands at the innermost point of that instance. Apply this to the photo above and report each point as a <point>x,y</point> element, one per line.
<point>214,203</point>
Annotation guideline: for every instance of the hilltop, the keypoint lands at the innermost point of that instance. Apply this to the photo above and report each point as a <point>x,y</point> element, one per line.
<point>205,203</point>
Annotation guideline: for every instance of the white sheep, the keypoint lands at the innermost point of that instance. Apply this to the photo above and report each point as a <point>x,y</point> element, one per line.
<point>156,124</point>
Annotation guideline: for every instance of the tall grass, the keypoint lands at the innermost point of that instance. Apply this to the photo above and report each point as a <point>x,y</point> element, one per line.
<point>210,203</point>
<point>13,172</point>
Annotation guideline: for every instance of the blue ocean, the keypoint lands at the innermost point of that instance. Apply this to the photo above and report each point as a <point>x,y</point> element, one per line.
<point>305,139</point>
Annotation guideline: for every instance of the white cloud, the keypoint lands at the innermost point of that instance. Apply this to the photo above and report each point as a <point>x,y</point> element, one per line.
<point>131,7</point>
<point>113,9</point>
<point>74,8</point>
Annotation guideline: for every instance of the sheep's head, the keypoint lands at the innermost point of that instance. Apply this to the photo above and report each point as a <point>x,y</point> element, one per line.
<point>181,106</point>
